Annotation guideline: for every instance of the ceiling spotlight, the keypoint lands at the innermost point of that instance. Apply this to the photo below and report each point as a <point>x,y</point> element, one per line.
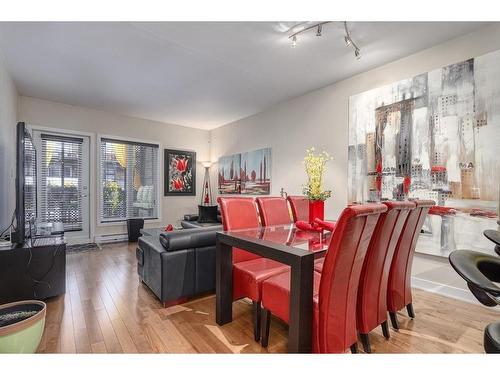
<point>294,41</point>
<point>347,41</point>
<point>320,29</point>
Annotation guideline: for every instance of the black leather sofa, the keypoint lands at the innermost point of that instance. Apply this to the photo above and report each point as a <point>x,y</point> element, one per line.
<point>177,264</point>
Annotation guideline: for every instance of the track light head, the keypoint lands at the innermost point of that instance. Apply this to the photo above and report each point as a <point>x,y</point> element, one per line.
<point>357,53</point>
<point>347,41</point>
<point>294,41</point>
<point>320,29</point>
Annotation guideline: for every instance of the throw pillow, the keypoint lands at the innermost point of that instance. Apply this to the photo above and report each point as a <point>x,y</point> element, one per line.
<point>207,214</point>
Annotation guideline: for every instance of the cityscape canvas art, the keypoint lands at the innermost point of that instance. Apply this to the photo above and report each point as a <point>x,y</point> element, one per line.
<point>246,173</point>
<point>433,136</point>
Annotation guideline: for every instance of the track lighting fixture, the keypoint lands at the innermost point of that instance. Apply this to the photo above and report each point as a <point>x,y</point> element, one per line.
<point>319,31</point>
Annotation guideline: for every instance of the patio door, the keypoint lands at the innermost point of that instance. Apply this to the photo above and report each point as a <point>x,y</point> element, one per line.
<point>63,182</point>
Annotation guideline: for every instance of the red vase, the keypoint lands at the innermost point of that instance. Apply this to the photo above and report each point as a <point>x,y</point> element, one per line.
<point>316,211</point>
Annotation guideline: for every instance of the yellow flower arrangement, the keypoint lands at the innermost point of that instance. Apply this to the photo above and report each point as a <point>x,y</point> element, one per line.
<point>315,168</point>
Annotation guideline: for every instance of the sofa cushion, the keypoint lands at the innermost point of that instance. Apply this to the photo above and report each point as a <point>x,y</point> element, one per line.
<point>190,217</point>
<point>188,238</point>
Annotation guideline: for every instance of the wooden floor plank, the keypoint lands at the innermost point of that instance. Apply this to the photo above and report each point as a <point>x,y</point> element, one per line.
<point>106,309</point>
<point>108,332</point>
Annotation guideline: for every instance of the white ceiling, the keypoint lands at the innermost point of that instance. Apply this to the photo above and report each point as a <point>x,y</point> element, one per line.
<point>198,74</point>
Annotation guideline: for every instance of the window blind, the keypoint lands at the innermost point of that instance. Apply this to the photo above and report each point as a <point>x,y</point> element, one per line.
<point>129,180</point>
<point>61,181</point>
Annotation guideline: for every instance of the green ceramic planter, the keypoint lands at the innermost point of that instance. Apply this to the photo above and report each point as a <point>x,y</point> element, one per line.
<point>21,326</point>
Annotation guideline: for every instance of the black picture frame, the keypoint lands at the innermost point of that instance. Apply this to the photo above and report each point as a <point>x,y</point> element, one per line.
<point>187,177</point>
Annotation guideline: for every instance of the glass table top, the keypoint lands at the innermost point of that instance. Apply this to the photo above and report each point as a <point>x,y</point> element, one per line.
<point>287,235</point>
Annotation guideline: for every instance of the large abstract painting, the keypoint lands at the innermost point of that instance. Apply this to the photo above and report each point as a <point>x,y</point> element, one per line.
<point>434,136</point>
<point>246,173</point>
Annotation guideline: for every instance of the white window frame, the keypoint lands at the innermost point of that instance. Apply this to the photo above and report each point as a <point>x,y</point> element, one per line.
<point>99,204</point>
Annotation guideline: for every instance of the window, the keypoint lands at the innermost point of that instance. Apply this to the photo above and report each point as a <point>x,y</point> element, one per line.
<point>129,180</point>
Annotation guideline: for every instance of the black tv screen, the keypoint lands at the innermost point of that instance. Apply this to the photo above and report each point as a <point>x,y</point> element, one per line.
<point>25,182</point>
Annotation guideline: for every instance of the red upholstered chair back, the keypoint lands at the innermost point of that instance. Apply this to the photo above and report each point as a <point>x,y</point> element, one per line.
<point>372,291</point>
<point>338,288</point>
<point>273,211</point>
<point>300,207</point>
<point>399,285</point>
<point>239,213</point>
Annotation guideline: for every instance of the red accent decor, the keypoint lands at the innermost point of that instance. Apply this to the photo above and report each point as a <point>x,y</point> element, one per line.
<point>273,211</point>
<point>372,293</point>
<point>438,168</point>
<point>300,207</point>
<point>442,211</point>
<point>316,211</point>
<point>484,213</point>
<point>399,284</point>
<point>406,184</point>
<point>326,225</point>
<point>304,225</point>
<point>169,228</point>
<point>378,179</point>
<point>335,289</point>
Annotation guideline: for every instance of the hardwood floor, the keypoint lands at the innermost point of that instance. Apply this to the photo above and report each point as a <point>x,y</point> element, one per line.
<point>106,309</point>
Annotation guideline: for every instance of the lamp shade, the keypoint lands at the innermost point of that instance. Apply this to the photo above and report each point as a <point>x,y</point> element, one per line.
<point>206,164</point>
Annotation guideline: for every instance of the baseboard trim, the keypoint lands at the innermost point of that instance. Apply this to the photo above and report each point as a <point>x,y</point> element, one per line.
<point>108,238</point>
<point>444,290</point>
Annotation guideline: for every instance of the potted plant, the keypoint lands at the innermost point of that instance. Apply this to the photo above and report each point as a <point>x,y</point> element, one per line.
<point>315,166</point>
<point>21,326</point>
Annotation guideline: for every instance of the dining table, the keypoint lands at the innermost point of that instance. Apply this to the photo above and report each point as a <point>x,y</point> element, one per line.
<point>285,244</point>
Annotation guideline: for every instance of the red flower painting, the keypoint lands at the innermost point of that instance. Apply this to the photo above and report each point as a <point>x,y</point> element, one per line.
<point>180,172</point>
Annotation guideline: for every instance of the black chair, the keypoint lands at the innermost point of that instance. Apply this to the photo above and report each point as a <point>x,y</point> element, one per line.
<point>481,271</point>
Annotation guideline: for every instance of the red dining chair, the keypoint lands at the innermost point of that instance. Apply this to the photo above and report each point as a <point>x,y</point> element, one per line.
<point>300,207</point>
<point>335,289</point>
<point>249,270</point>
<point>399,284</point>
<point>273,211</point>
<point>372,291</point>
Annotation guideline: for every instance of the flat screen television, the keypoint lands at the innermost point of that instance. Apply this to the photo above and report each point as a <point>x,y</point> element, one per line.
<point>25,182</point>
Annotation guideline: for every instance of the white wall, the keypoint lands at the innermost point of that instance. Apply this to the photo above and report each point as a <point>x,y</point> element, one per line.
<point>8,120</point>
<point>320,119</point>
<point>37,112</point>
